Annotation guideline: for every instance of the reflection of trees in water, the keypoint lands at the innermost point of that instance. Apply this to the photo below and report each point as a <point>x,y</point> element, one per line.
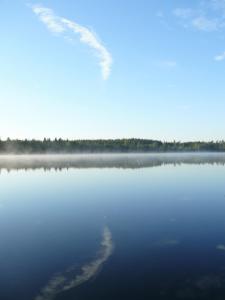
<point>124,161</point>
<point>60,162</point>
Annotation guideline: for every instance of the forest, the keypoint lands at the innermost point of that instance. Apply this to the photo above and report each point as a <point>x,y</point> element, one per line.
<point>11,146</point>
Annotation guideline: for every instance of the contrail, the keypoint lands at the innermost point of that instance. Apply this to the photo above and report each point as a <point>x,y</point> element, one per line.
<point>69,279</point>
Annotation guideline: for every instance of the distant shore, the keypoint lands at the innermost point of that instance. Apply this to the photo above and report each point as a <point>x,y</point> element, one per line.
<point>60,146</point>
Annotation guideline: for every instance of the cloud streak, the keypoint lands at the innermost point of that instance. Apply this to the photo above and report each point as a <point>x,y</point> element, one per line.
<point>59,25</point>
<point>204,24</point>
<point>197,20</point>
<point>168,64</point>
<point>69,279</point>
<point>183,13</point>
<point>220,57</point>
<point>207,16</point>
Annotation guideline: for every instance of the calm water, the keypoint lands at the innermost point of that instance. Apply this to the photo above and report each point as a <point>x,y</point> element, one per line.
<point>112,227</point>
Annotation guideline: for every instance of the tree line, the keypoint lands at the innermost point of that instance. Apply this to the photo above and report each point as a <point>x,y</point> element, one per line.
<point>17,146</point>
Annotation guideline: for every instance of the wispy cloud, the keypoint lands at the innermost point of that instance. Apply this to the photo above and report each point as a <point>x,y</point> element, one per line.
<point>220,57</point>
<point>218,5</point>
<point>162,19</point>
<point>48,17</point>
<point>197,20</point>
<point>183,13</point>
<point>160,14</point>
<point>207,16</point>
<point>205,24</point>
<point>69,279</point>
<point>59,25</point>
<point>170,64</point>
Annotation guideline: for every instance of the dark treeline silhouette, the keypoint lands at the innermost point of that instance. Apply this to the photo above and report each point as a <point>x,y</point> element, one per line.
<point>105,146</point>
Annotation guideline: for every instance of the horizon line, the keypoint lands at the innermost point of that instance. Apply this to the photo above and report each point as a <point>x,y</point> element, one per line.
<point>112,139</point>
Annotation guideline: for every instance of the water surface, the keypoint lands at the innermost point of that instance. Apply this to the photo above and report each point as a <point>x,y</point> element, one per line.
<point>112,227</point>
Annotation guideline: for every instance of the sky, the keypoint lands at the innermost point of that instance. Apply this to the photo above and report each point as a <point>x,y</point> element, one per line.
<point>112,69</point>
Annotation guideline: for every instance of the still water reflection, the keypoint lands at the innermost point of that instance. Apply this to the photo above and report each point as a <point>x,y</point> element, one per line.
<point>112,227</point>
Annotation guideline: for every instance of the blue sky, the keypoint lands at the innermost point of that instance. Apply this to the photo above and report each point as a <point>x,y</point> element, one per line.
<point>112,69</point>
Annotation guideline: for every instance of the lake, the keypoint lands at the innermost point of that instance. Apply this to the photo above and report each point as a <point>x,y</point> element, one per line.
<point>137,226</point>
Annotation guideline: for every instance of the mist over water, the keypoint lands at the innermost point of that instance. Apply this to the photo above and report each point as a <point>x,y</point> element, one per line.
<point>164,214</point>
<point>126,161</point>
